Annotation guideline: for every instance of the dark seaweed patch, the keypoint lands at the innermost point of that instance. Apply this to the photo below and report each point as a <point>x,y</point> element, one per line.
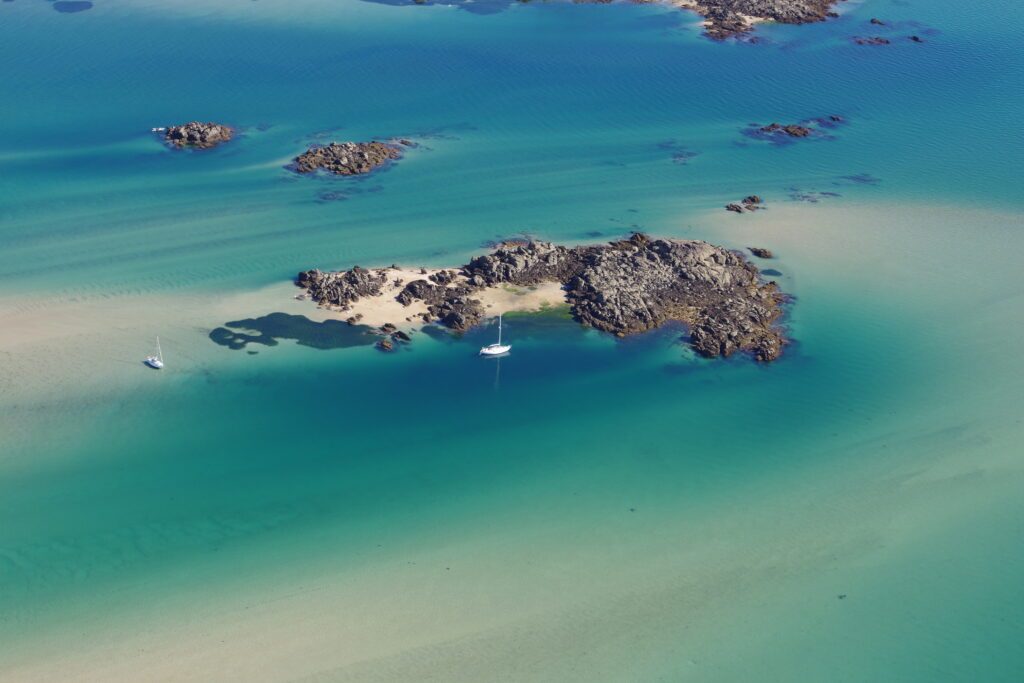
<point>72,6</point>
<point>680,154</point>
<point>810,196</point>
<point>861,179</point>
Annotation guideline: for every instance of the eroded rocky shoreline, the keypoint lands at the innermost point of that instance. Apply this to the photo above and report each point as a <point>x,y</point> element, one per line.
<point>623,287</point>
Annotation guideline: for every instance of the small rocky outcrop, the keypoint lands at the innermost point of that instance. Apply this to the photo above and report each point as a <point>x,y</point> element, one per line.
<point>761,252</point>
<point>747,204</point>
<point>346,158</point>
<point>623,287</point>
<point>819,128</point>
<point>198,134</point>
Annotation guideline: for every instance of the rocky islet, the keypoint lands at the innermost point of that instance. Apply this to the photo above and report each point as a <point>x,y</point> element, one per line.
<point>348,158</point>
<point>198,134</point>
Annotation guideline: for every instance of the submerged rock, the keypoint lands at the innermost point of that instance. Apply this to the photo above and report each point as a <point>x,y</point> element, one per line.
<point>198,134</point>
<point>792,130</point>
<point>871,40</point>
<point>623,287</point>
<point>819,128</point>
<point>749,204</point>
<point>346,158</point>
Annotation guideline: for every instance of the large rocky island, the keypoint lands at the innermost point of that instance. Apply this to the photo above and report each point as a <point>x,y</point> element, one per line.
<point>623,287</point>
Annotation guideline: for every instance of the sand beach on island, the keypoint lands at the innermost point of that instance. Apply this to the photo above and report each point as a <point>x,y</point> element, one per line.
<point>383,309</point>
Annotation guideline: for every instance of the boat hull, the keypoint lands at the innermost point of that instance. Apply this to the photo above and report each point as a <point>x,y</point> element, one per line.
<point>495,350</point>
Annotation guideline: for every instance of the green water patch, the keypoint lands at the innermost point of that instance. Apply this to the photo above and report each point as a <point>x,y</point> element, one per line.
<point>269,329</point>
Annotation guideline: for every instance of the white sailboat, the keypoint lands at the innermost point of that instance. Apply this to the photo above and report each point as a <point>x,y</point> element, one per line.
<point>496,349</point>
<point>156,362</point>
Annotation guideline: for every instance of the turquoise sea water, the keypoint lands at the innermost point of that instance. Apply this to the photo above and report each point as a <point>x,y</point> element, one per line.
<point>586,509</point>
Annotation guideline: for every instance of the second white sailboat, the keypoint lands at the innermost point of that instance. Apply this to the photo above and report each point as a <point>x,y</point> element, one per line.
<point>157,361</point>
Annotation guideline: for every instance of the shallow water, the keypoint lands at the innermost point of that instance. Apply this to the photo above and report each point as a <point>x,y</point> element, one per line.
<point>586,509</point>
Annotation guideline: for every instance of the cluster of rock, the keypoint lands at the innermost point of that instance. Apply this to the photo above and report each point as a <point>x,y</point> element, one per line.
<point>784,133</point>
<point>198,134</point>
<point>730,18</point>
<point>389,336</point>
<point>348,158</point>
<point>448,301</point>
<point>344,288</point>
<point>761,252</point>
<point>879,40</point>
<point>793,130</point>
<point>624,287</point>
<point>748,204</point>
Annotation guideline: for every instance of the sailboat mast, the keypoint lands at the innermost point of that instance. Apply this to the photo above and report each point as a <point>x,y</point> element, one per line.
<point>499,329</point>
<point>159,351</point>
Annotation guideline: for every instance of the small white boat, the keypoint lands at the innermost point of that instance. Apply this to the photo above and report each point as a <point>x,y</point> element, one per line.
<point>496,349</point>
<point>156,362</point>
<point>157,130</point>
